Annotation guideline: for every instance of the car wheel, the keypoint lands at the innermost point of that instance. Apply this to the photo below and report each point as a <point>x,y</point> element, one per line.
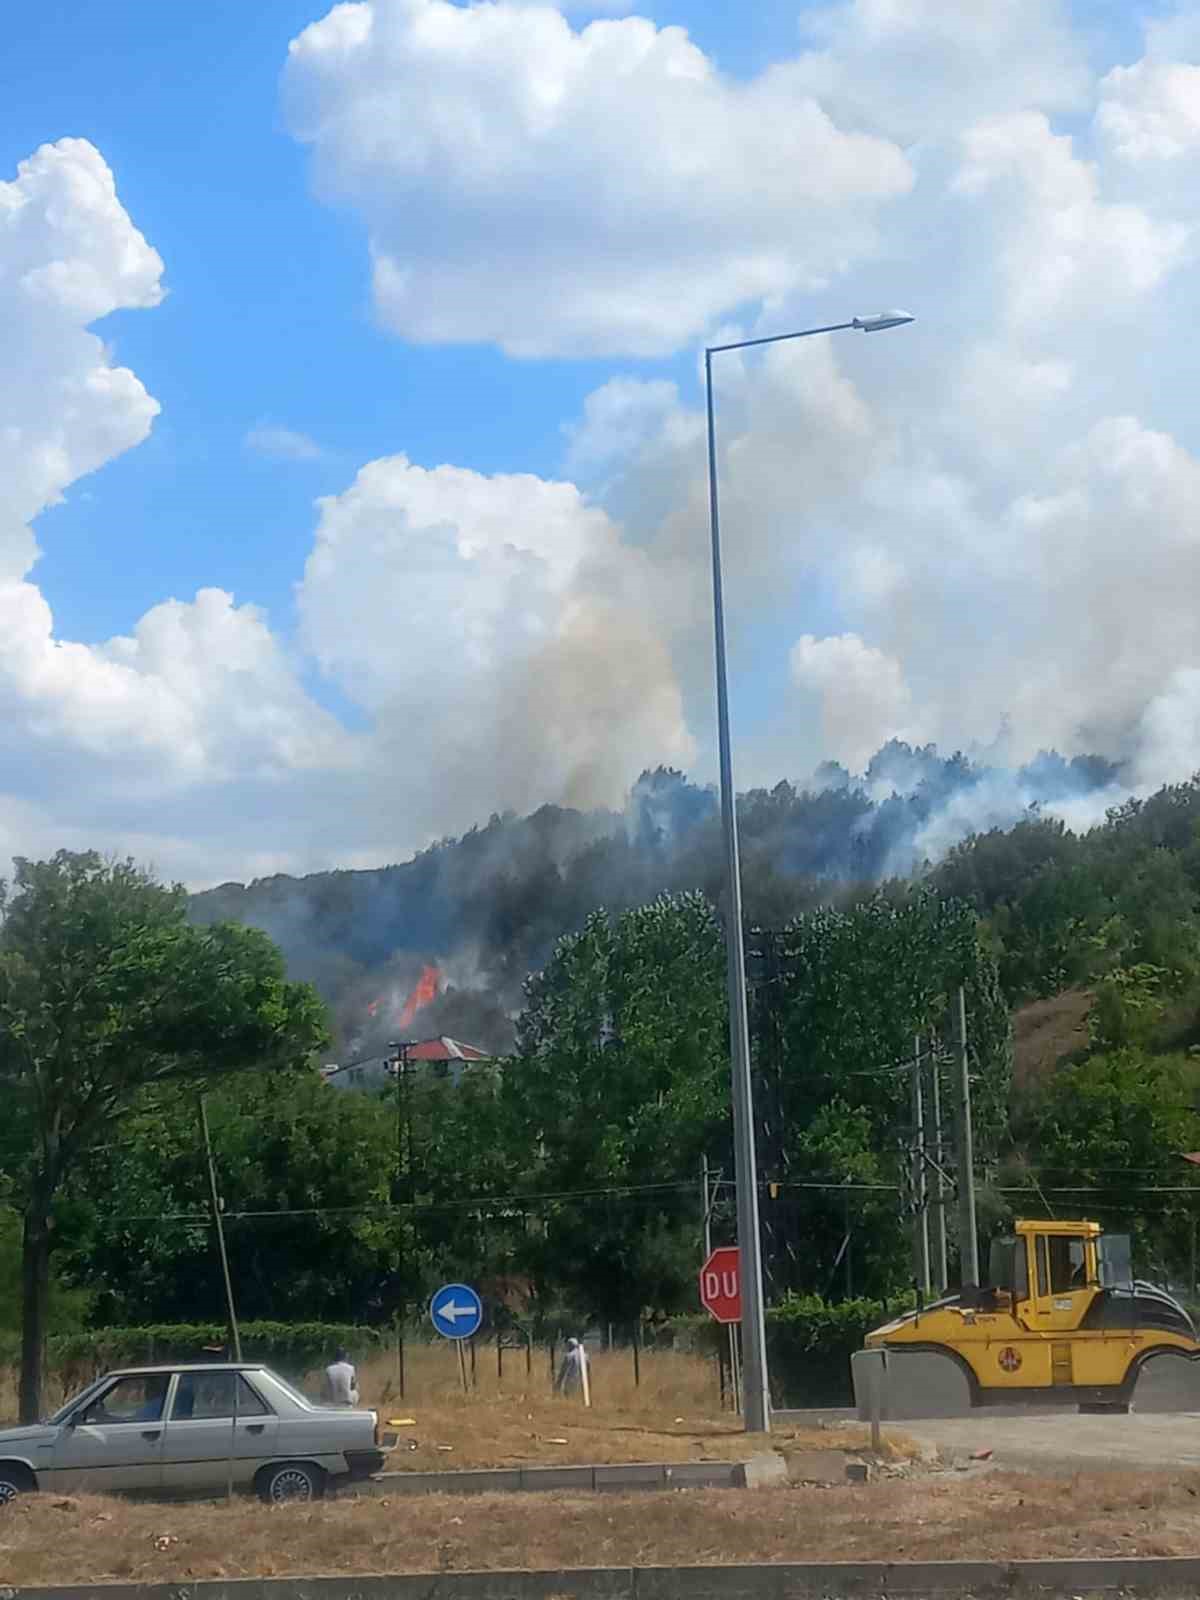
<point>291,1483</point>
<point>14,1481</point>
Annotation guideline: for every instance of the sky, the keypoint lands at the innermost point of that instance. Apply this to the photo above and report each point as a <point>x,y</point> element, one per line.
<point>352,470</point>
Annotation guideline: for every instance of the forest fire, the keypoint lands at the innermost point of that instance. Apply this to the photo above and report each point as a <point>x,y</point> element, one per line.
<point>427,988</point>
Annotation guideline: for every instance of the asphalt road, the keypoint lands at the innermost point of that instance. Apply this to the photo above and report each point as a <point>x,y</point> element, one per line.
<point>1063,1441</point>
<point>1049,1440</point>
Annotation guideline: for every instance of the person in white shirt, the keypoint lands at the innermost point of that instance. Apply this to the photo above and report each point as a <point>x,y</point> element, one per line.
<point>341,1381</point>
<point>570,1373</point>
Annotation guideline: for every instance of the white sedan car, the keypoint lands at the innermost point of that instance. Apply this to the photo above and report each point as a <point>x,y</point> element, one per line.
<point>192,1430</point>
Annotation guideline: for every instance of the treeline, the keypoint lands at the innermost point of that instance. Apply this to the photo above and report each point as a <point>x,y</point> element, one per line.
<point>566,1178</point>
<point>490,906</point>
<point>1113,915</point>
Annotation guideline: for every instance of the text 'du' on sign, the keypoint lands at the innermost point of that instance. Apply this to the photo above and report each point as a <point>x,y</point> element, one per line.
<point>721,1284</point>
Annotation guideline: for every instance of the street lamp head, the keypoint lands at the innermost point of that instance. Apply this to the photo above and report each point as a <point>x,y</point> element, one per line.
<point>882,320</point>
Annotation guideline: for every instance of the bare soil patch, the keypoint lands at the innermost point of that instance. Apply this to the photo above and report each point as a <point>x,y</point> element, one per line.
<point>52,1541</point>
<point>1047,1032</point>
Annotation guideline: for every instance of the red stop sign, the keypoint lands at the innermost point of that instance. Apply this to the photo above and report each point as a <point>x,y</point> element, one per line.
<point>721,1284</point>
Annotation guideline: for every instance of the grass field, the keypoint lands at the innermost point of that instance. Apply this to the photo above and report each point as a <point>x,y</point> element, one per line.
<point>672,1414</point>
<point>44,1540</point>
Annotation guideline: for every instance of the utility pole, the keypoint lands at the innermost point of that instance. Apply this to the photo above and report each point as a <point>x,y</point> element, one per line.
<point>757,1406</point>
<point>919,1183</point>
<point>404,1133</point>
<point>968,1234</point>
<point>397,1066</point>
<point>220,1227</point>
<point>941,1273</point>
<point>705,1209</point>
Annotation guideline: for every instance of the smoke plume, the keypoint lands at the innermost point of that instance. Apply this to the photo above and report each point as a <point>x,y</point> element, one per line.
<point>447,939</point>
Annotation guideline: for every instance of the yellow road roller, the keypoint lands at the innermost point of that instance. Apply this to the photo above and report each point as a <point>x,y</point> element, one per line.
<point>1062,1321</point>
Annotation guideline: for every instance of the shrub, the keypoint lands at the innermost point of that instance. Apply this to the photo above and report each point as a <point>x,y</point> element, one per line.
<point>293,1348</point>
<point>809,1345</point>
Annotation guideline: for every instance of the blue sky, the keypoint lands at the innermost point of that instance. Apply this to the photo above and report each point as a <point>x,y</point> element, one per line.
<point>268,316</point>
<point>928,538</point>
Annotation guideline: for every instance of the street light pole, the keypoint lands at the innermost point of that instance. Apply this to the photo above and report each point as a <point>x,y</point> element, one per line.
<point>757,1399</point>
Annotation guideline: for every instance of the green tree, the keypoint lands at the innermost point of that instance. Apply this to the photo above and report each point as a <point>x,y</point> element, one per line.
<point>67,1309</point>
<point>306,1173</point>
<point>106,991</point>
<point>622,1080</point>
<point>467,1162</point>
<point>835,1028</point>
<point>1104,1138</point>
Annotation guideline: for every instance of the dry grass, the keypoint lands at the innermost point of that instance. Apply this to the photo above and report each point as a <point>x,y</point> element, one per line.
<point>668,1379</point>
<point>57,1394</point>
<point>671,1415</point>
<point>44,1541</point>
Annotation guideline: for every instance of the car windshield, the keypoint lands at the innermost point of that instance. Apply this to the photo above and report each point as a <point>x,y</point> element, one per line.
<point>75,1400</point>
<point>289,1388</point>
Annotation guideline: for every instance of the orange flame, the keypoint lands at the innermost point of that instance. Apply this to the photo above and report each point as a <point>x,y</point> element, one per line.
<point>427,989</point>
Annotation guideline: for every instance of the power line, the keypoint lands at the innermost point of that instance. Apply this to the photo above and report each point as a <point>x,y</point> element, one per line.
<point>514,1202</point>
<point>1102,1189</point>
<point>476,1202</point>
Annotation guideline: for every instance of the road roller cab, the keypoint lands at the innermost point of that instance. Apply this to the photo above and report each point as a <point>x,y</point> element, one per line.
<point>1061,1321</point>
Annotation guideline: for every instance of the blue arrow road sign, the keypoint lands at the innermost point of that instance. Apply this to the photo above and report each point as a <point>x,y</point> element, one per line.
<point>456,1311</point>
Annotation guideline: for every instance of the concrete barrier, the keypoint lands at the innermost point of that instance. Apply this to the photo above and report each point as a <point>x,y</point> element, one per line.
<point>618,1475</point>
<point>915,1384</point>
<point>1170,1578</point>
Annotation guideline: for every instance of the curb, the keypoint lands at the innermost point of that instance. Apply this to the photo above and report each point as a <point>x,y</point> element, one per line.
<point>508,1480</point>
<point>1166,1576</point>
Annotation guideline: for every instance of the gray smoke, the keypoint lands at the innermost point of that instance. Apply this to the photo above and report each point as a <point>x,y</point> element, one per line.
<point>488,907</point>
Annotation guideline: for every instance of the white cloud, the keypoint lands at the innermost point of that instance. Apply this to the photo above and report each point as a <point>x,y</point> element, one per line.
<point>1150,112</point>
<point>617,417</point>
<point>198,693</point>
<point>1055,229</point>
<point>983,522</point>
<point>68,254</point>
<point>917,70</point>
<point>863,696</point>
<point>555,191</point>
<point>969,522</point>
<point>496,631</point>
<point>282,444</point>
<point>499,633</point>
<point>594,8</point>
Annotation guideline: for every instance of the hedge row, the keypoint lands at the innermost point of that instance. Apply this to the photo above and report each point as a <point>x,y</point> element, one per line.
<point>809,1345</point>
<point>294,1348</point>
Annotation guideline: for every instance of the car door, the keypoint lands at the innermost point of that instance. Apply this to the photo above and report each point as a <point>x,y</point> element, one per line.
<point>218,1423</point>
<point>114,1442</point>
